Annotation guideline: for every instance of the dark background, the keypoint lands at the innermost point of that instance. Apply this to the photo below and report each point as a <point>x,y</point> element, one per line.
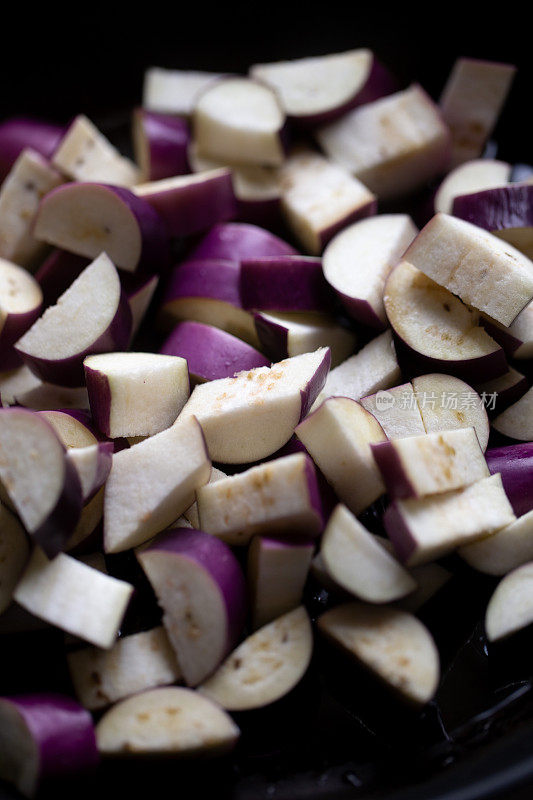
<point>64,60</point>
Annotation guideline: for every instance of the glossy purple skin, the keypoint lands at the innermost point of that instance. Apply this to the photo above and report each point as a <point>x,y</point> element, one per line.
<point>53,534</point>
<point>505,339</point>
<point>167,139</point>
<point>511,395</point>
<point>399,534</point>
<point>210,352</point>
<point>62,730</point>
<point>315,498</point>
<point>506,397</point>
<point>193,207</point>
<point>57,272</point>
<point>155,245</point>
<point>105,460</point>
<point>361,311</point>
<point>99,398</point>
<point>392,472</point>
<point>217,279</point>
<point>14,327</point>
<point>103,468</point>
<point>69,371</point>
<point>361,212</point>
<point>284,283</point>
<point>154,254</point>
<point>315,385</point>
<point>471,370</point>
<point>379,83</point>
<point>218,561</point>
<point>515,464</point>
<point>273,336</point>
<point>237,241</point>
<point>55,530</point>
<point>21,132</point>
<point>497,209</point>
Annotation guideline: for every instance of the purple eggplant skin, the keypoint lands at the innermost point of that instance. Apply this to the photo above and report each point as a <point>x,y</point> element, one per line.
<point>57,272</point>
<point>361,311</point>
<point>20,132</point>
<point>194,207</point>
<point>14,327</point>
<point>166,139</point>
<point>105,457</point>
<point>471,370</point>
<point>211,353</point>
<point>315,385</point>
<point>54,532</point>
<point>370,209</point>
<point>205,277</point>
<point>216,558</point>
<point>237,241</point>
<point>201,280</point>
<point>497,209</point>
<point>155,251</point>
<point>501,335</point>
<point>284,283</point>
<point>99,398</point>
<point>399,533</point>
<point>105,460</point>
<point>497,402</point>
<point>379,83</point>
<point>315,498</point>
<point>515,464</point>
<point>392,472</point>
<point>63,733</point>
<point>69,371</point>
<point>155,246</point>
<point>53,535</point>
<point>273,337</point>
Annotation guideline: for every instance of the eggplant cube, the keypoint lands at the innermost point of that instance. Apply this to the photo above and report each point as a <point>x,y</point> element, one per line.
<point>135,394</point>
<point>425,529</point>
<point>137,506</point>
<point>280,496</point>
<point>339,435</point>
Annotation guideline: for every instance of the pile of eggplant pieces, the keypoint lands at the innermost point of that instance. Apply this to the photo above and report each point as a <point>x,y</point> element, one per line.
<point>310,352</point>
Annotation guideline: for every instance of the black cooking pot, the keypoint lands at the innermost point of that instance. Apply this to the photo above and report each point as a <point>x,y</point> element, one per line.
<point>337,735</point>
